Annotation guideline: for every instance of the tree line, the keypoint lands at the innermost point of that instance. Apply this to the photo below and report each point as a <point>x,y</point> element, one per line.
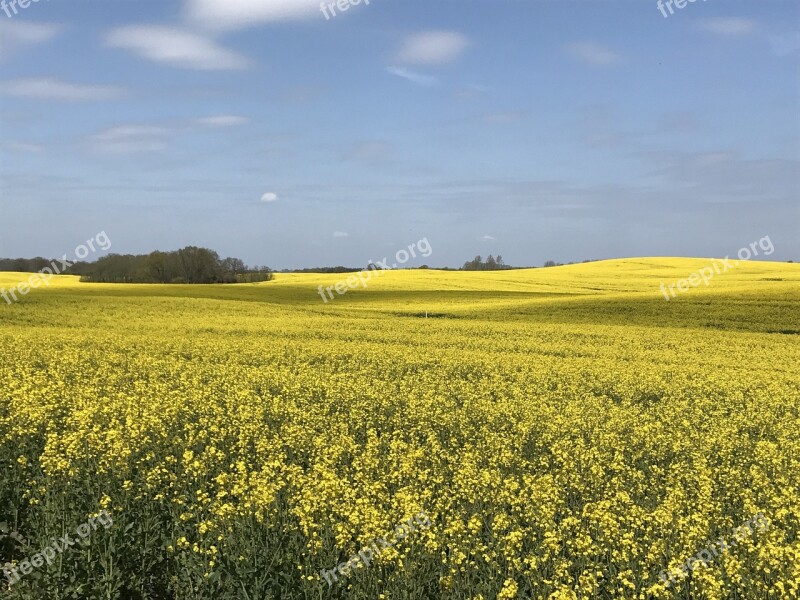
<point>24,265</point>
<point>187,265</point>
<point>491,264</point>
<point>201,265</point>
<point>497,264</point>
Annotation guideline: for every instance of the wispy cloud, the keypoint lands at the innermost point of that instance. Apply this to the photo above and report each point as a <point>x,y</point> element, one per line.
<point>175,47</point>
<point>412,76</point>
<point>340,234</point>
<point>593,54</point>
<point>24,147</point>
<point>432,48</point>
<point>152,137</point>
<point>131,138</point>
<point>239,14</point>
<point>222,121</point>
<point>18,34</point>
<point>55,89</point>
<point>489,238</point>
<point>728,26</point>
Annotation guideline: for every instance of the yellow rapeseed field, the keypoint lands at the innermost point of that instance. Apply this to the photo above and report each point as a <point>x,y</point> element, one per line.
<point>569,433</point>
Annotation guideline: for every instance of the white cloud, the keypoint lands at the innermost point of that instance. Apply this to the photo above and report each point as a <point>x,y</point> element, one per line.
<point>729,26</point>
<point>238,14</point>
<point>432,48</point>
<point>412,76</point>
<point>269,197</point>
<point>17,34</point>
<point>130,138</point>
<point>222,121</point>
<point>340,234</point>
<point>175,47</point>
<point>126,132</point>
<point>55,89</point>
<point>593,54</point>
<point>488,238</point>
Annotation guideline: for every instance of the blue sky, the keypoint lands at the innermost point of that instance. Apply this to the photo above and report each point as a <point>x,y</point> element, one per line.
<point>564,130</point>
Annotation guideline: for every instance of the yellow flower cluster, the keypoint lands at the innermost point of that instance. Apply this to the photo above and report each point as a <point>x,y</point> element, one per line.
<point>569,433</point>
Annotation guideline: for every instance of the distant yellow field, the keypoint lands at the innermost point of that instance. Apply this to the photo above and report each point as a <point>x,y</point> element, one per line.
<point>639,275</point>
<point>569,432</point>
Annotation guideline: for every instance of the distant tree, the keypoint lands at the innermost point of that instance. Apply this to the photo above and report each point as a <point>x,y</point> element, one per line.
<point>157,267</point>
<point>256,274</point>
<point>550,263</point>
<point>234,265</point>
<point>232,268</point>
<point>474,264</point>
<point>199,265</point>
<point>491,264</point>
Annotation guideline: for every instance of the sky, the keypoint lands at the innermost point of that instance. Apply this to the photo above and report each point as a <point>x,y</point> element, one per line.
<point>289,136</point>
